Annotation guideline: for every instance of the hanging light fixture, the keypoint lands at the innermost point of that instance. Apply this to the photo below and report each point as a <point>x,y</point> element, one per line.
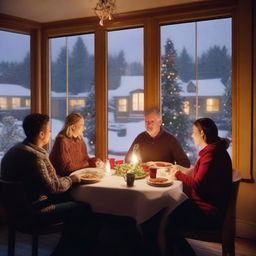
<point>104,10</point>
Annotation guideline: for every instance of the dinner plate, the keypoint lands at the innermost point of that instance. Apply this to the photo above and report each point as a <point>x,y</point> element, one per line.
<point>159,164</point>
<point>92,170</point>
<point>159,182</point>
<point>92,174</point>
<point>90,178</point>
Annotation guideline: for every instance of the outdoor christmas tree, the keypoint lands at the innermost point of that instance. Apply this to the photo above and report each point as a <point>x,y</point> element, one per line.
<point>174,119</point>
<point>89,117</point>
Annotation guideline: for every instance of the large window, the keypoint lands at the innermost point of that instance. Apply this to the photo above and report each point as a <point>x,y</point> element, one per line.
<point>196,77</point>
<point>125,77</point>
<point>14,87</point>
<point>73,83</point>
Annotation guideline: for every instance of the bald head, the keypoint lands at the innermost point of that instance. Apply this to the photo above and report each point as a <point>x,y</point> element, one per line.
<point>153,122</point>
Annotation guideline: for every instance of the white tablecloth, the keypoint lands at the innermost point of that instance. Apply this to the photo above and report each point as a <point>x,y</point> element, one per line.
<point>141,202</point>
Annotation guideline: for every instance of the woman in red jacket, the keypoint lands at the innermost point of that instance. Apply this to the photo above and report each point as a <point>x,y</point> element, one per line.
<point>210,181</point>
<point>69,152</point>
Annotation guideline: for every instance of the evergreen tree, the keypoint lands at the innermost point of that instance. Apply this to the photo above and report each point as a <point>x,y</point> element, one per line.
<point>89,116</point>
<point>227,107</point>
<point>116,68</point>
<point>9,72</point>
<point>174,118</point>
<point>215,63</point>
<point>16,72</point>
<point>24,68</point>
<point>59,72</point>
<point>185,66</point>
<point>10,133</point>
<point>80,68</point>
<point>135,69</point>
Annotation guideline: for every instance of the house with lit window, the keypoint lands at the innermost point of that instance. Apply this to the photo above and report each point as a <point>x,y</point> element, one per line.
<point>59,103</point>
<point>15,101</point>
<point>128,99</point>
<point>206,94</point>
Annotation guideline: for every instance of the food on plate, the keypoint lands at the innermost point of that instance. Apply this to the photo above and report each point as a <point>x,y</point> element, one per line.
<point>90,176</point>
<point>158,180</point>
<point>145,167</point>
<point>137,169</point>
<point>163,164</point>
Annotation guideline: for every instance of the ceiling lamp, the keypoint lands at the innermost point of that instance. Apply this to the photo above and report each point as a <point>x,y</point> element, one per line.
<point>104,10</point>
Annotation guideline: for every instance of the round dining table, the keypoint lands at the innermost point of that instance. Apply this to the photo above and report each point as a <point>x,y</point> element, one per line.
<point>142,201</point>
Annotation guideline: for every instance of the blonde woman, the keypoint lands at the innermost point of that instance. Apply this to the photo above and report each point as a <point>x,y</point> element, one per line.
<point>69,152</point>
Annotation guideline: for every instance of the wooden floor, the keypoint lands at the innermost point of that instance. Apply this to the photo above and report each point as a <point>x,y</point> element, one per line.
<point>47,243</point>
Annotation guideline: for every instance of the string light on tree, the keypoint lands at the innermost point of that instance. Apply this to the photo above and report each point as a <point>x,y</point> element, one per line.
<point>174,119</point>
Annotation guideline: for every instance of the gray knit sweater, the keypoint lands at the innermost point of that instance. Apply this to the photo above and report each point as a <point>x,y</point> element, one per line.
<point>30,164</point>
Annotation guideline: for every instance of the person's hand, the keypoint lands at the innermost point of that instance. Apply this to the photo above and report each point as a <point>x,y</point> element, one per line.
<point>173,169</point>
<point>76,178</point>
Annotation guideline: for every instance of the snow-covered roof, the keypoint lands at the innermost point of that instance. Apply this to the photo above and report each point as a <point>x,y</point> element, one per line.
<point>14,90</point>
<point>206,87</point>
<point>18,90</point>
<point>63,95</point>
<point>127,85</point>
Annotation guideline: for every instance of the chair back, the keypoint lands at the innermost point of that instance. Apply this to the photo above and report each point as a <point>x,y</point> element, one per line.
<point>19,210</point>
<point>229,224</point>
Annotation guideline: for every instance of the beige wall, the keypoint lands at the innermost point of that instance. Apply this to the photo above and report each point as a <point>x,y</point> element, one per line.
<point>246,206</point>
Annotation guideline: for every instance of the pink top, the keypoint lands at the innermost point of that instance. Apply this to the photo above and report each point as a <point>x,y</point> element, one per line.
<point>70,154</point>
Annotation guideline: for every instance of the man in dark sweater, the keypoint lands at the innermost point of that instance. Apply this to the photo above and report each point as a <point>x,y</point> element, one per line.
<point>156,144</point>
<point>49,194</point>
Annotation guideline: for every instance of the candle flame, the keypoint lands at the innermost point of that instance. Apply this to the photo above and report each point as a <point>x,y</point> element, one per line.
<point>134,158</point>
<point>107,168</point>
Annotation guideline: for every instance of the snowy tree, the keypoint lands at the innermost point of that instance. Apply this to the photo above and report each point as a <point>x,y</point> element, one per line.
<point>227,107</point>
<point>10,133</point>
<point>135,69</point>
<point>80,68</point>
<point>116,68</point>
<point>59,72</point>
<point>215,63</point>
<point>174,118</point>
<point>185,66</point>
<point>89,116</point>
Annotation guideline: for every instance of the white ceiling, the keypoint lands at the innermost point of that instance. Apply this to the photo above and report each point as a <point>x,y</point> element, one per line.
<point>55,10</point>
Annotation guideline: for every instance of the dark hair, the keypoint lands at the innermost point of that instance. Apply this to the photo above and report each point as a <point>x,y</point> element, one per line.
<point>33,124</point>
<point>209,128</point>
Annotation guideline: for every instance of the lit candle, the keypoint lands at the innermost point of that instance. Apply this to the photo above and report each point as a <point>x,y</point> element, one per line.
<point>134,159</point>
<point>107,168</point>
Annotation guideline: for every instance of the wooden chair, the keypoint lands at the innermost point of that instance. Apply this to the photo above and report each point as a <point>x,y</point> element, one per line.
<point>226,234</point>
<point>21,216</point>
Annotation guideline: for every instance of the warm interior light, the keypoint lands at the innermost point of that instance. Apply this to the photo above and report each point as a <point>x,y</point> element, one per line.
<point>134,159</point>
<point>104,10</point>
<point>107,168</point>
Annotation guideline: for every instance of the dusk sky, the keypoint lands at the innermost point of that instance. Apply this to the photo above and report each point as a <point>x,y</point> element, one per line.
<point>209,33</point>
